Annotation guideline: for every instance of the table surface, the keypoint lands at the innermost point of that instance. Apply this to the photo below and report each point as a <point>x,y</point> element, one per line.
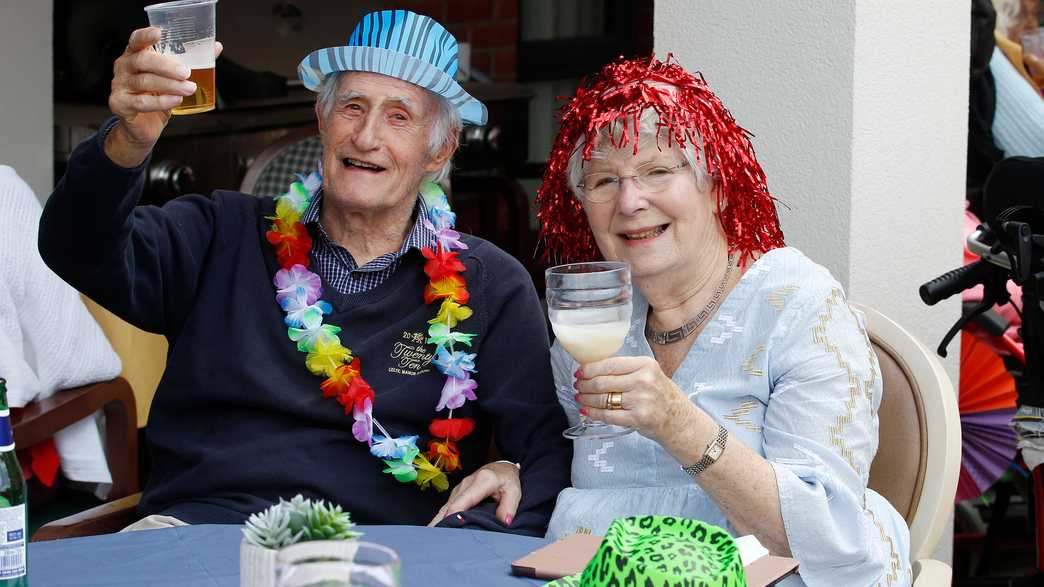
<point>209,555</point>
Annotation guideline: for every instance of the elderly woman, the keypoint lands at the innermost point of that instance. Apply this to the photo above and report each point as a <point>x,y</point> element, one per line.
<point>1017,79</point>
<point>1017,19</point>
<point>749,379</point>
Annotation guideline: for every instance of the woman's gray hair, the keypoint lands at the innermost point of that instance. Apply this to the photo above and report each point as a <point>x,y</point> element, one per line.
<point>1009,14</point>
<point>648,126</point>
<point>445,131</point>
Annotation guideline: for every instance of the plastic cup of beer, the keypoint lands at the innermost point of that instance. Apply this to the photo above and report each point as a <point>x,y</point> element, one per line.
<point>188,30</point>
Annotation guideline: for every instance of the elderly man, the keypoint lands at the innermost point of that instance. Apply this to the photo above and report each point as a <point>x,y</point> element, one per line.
<point>341,341</point>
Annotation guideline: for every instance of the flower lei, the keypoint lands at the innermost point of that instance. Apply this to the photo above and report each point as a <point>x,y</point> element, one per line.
<point>298,293</point>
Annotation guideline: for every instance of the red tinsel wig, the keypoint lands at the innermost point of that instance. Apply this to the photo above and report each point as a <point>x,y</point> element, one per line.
<point>689,112</point>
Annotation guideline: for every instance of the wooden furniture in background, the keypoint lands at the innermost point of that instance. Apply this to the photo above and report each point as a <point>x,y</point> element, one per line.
<point>108,518</point>
<point>41,419</point>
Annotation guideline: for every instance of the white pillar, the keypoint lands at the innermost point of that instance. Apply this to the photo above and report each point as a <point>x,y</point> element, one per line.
<point>26,94</point>
<point>859,111</point>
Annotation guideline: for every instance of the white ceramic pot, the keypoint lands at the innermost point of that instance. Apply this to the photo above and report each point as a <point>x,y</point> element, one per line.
<point>257,566</point>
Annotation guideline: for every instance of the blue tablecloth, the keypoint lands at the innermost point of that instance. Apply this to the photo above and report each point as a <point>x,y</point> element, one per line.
<point>209,555</point>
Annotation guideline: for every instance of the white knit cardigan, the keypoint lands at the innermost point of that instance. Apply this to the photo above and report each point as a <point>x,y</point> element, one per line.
<point>48,340</point>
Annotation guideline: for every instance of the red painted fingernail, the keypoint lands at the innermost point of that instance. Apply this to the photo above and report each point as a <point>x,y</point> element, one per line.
<point>576,397</point>
<point>579,374</point>
<point>583,411</point>
<point>460,518</point>
<point>509,518</point>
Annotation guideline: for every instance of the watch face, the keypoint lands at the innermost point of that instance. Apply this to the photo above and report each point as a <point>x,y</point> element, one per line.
<point>715,450</point>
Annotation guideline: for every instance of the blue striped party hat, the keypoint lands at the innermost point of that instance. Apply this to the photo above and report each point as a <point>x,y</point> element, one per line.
<point>401,44</point>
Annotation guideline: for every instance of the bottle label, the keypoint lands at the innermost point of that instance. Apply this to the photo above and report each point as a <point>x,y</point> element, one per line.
<point>12,542</point>
<point>6,436</point>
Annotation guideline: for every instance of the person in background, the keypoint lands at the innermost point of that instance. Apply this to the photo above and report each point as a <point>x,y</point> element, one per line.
<point>750,381</point>
<point>1018,123</point>
<point>983,153</point>
<point>48,342</point>
<point>1016,18</point>
<point>341,341</point>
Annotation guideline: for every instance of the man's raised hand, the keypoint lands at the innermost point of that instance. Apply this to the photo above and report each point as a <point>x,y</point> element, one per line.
<point>146,85</point>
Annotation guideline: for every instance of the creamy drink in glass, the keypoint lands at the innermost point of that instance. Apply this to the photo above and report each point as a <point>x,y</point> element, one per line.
<point>588,343</point>
<point>589,305</point>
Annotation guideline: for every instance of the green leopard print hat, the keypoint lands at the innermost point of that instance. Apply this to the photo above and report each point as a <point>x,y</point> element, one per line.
<point>662,551</point>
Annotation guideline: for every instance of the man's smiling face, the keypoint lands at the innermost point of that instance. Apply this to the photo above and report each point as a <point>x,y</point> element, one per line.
<point>376,142</point>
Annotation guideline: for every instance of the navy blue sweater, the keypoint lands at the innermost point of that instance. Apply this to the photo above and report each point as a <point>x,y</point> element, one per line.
<point>237,420</point>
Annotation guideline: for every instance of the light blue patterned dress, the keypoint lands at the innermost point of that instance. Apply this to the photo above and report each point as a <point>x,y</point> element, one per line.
<point>786,366</point>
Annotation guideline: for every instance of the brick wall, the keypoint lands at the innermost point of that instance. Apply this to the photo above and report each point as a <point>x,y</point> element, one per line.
<point>491,26</point>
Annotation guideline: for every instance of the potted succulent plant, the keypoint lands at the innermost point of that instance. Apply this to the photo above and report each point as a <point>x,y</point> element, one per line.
<point>283,525</point>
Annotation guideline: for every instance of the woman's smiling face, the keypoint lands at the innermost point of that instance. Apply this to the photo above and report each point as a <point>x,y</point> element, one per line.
<point>656,232</point>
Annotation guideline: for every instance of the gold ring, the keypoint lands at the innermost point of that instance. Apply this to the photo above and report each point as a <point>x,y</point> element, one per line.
<point>614,400</point>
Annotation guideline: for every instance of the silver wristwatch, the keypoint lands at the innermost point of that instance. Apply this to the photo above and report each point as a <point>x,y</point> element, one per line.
<point>711,455</point>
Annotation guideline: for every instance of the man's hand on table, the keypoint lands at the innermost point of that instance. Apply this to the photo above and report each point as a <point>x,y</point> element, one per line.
<point>499,481</point>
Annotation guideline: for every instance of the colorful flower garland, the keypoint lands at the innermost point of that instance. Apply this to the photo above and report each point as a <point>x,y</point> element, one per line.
<point>298,291</point>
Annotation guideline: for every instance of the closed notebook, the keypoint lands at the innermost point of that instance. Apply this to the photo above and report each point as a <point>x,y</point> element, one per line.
<point>569,555</point>
<point>565,556</point>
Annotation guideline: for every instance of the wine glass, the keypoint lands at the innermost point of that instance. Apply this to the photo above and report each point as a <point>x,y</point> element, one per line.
<point>589,305</point>
<point>337,563</point>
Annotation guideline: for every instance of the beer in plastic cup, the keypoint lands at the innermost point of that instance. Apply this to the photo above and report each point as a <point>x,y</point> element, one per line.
<point>188,30</point>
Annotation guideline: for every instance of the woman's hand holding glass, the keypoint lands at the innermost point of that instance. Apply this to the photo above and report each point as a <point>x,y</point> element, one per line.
<point>589,305</point>
<point>652,404</point>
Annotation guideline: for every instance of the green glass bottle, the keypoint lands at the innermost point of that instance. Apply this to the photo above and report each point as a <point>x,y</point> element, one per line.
<point>12,504</point>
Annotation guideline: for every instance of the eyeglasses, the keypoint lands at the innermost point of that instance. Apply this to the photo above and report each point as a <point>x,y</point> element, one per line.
<point>650,178</point>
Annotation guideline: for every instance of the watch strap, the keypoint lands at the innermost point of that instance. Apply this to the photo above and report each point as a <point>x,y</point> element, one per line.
<point>711,455</point>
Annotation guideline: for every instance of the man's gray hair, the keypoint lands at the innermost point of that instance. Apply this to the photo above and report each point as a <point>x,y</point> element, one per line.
<point>445,131</point>
<point>648,131</point>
